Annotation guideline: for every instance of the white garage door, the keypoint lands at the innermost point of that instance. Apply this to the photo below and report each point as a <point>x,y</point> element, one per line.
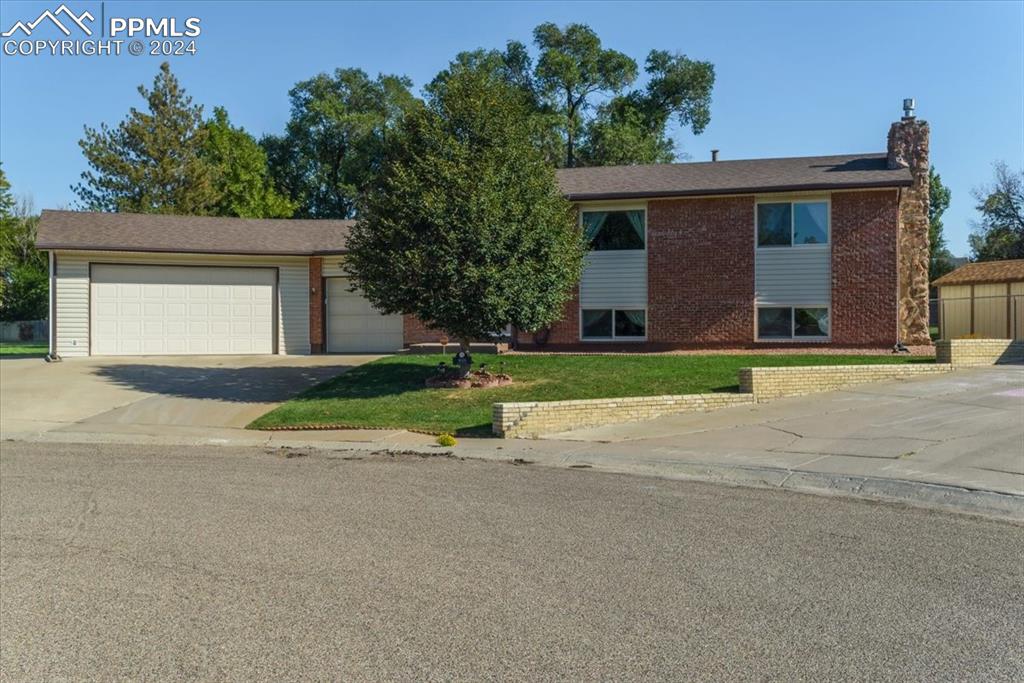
<point>152,310</point>
<point>355,326</point>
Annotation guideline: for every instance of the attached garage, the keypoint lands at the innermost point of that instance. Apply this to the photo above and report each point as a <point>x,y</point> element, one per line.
<point>175,309</point>
<point>355,326</point>
<point>152,285</point>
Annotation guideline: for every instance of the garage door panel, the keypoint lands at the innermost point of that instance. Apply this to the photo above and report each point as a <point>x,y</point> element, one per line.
<point>182,310</point>
<point>354,325</point>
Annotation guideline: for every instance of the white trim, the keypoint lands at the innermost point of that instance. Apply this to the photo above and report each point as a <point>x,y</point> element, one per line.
<point>51,305</point>
<point>827,200</point>
<point>613,338</point>
<point>618,205</point>
<point>792,324</point>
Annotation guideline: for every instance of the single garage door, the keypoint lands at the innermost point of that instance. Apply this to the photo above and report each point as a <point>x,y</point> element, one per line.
<point>355,326</point>
<point>153,310</point>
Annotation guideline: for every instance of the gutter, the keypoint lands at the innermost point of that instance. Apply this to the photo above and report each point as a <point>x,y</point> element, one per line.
<point>761,189</point>
<point>158,250</point>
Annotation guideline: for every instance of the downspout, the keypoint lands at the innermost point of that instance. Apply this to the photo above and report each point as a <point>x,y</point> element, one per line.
<point>52,356</point>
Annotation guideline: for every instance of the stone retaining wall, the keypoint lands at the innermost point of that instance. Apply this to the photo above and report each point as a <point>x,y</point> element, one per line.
<point>529,419</point>
<point>775,382</point>
<point>968,352</point>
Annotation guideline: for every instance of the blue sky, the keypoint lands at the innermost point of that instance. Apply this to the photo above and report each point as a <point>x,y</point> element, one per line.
<point>793,79</point>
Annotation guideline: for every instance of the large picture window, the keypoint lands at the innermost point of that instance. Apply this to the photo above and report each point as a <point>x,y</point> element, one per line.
<point>614,230</point>
<point>611,323</point>
<point>792,322</point>
<point>792,224</point>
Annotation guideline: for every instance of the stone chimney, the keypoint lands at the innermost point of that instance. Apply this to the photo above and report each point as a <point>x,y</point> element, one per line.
<point>908,148</point>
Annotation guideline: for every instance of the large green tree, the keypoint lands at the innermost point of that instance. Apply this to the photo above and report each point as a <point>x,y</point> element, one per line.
<point>24,276</point>
<point>573,66</point>
<point>241,180</point>
<point>151,162</point>
<point>465,227</point>
<point>939,262</point>
<point>581,109</point>
<point>514,67</point>
<point>999,233</point>
<point>333,144</point>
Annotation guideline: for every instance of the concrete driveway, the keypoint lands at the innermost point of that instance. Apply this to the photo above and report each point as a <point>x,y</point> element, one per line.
<point>154,393</point>
<point>963,429</point>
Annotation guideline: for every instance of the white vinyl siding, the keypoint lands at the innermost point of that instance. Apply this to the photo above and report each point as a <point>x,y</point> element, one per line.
<point>293,307</point>
<point>614,279</point>
<point>332,266</point>
<point>72,310</point>
<point>72,286</point>
<point>793,276</point>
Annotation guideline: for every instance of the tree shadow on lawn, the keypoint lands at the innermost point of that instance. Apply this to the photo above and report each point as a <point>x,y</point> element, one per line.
<point>259,384</point>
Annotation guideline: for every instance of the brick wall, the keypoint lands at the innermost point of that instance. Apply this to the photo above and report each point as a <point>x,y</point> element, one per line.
<point>700,275</point>
<point>864,279</point>
<point>519,420</point>
<point>968,352</point>
<point>562,334</point>
<point>316,305</point>
<point>700,271</point>
<point>768,383</point>
<point>414,331</point>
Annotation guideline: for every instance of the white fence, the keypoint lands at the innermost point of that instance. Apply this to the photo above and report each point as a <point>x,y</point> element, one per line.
<point>24,330</point>
<point>980,317</point>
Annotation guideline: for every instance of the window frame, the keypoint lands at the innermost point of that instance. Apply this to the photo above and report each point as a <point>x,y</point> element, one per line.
<point>591,208</point>
<point>793,201</point>
<point>792,324</point>
<point>614,337</point>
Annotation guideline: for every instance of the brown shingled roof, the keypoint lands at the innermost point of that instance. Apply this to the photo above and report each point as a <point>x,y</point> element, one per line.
<point>847,171</point>
<point>984,272</point>
<point>190,234</point>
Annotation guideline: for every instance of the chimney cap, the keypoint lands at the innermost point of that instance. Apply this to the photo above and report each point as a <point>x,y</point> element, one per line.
<point>908,107</point>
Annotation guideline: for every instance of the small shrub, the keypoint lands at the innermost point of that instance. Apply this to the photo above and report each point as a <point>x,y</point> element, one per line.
<point>446,439</point>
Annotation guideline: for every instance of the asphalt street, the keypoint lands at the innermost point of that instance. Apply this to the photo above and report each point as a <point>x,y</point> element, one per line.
<point>172,563</point>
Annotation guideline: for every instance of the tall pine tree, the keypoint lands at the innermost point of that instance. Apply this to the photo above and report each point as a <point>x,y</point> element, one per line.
<point>152,162</point>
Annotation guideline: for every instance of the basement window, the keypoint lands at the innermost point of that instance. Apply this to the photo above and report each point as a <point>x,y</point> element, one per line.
<point>792,224</point>
<point>775,323</point>
<point>609,324</point>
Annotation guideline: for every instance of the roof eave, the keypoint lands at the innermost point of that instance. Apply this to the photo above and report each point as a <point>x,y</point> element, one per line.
<point>157,250</point>
<point>764,189</point>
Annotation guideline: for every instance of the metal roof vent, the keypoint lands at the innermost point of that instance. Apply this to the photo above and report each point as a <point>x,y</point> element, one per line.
<point>714,155</point>
<point>908,107</point>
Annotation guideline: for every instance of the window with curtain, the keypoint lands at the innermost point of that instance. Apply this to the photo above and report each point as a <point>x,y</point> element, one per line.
<point>614,230</point>
<point>792,322</point>
<point>608,323</point>
<point>788,224</point>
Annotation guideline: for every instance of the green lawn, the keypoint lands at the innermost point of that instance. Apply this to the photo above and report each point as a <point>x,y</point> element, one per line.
<point>390,392</point>
<point>23,348</point>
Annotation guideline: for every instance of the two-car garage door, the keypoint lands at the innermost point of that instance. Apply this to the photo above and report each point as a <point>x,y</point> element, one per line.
<point>181,310</point>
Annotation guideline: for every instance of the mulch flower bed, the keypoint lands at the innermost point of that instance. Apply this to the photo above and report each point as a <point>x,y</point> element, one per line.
<point>477,379</point>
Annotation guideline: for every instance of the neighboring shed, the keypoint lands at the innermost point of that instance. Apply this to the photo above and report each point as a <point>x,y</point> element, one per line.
<point>984,299</point>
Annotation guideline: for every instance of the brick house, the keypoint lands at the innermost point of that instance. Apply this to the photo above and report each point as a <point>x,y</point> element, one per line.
<point>807,250</point>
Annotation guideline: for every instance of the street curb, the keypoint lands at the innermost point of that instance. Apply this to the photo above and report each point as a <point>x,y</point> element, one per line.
<point>984,503</point>
<point>948,498</point>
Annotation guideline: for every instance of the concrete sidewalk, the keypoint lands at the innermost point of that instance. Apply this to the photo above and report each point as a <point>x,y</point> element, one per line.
<point>954,441</point>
